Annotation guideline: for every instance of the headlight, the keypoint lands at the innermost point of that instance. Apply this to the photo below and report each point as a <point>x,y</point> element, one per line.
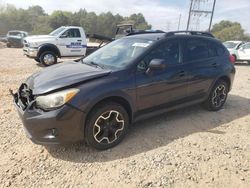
<point>55,100</point>
<point>33,44</point>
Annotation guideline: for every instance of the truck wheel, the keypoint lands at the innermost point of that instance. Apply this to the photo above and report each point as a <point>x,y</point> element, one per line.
<point>8,45</point>
<point>48,58</point>
<point>217,96</point>
<point>106,126</point>
<point>248,62</point>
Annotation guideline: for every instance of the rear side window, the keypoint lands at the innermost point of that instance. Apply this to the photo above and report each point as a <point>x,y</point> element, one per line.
<point>220,50</point>
<point>72,33</point>
<point>196,49</point>
<point>212,49</point>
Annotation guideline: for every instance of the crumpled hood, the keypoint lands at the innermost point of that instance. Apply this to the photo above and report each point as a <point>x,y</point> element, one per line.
<point>39,38</point>
<point>63,75</point>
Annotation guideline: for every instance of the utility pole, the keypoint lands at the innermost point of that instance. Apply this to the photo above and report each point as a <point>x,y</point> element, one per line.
<point>179,23</point>
<point>197,11</point>
<point>212,15</point>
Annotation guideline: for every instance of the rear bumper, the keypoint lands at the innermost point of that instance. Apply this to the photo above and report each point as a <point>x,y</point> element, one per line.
<point>30,52</point>
<point>61,126</point>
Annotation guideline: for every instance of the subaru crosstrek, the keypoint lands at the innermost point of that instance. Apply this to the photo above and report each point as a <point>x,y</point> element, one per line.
<point>96,98</point>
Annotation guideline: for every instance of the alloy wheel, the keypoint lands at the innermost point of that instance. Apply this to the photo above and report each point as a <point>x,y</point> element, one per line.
<point>108,127</point>
<point>219,95</point>
<point>49,59</point>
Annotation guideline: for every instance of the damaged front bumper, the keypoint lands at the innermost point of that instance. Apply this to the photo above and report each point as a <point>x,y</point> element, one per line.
<point>60,126</point>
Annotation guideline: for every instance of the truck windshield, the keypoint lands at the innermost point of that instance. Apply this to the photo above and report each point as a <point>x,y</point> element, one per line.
<point>57,31</point>
<point>120,53</point>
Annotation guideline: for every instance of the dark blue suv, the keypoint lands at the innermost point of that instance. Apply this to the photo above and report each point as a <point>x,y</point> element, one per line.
<point>96,98</point>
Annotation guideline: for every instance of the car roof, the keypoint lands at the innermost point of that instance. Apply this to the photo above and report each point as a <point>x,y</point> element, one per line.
<point>235,41</point>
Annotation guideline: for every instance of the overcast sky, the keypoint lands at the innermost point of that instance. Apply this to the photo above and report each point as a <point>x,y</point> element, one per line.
<point>161,14</point>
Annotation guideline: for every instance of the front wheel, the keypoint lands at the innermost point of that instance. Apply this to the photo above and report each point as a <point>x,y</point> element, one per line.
<point>48,58</point>
<point>106,126</point>
<point>217,96</point>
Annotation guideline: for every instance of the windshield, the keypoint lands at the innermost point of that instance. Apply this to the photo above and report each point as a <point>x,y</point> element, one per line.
<point>230,44</point>
<point>57,31</point>
<point>118,54</point>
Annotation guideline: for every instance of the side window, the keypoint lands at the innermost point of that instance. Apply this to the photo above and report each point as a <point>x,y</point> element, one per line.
<point>246,46</point>
<point>168,51</point>
<point>212,49</point>
<point>196,49</point>
<point>220,50</point>
<point>72,33</point>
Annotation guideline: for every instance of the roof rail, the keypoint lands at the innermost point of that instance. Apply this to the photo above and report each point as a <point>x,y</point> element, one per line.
<point>200,33</point>
<point>144,32</point>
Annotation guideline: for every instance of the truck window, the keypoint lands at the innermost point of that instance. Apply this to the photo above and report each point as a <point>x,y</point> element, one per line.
<point>72,33</point>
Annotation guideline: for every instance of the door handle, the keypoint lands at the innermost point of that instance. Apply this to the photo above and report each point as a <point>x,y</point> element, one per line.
<point>79,40</point>
<point>181,73</point>
<point>214,64</point>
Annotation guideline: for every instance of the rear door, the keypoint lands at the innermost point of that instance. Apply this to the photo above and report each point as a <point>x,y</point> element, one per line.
<point>71,43</point>
<point>161,87</point>
<point>203,66</point>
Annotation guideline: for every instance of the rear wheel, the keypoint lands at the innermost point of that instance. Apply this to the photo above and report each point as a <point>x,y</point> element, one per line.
<point>248,62</point>
<point>106,126</point>
<point>217,96</point>
<point>8,45</point>
<point>48,58</point>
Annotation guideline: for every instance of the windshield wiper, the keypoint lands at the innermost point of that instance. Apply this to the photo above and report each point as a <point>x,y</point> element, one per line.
<point>92,63</point>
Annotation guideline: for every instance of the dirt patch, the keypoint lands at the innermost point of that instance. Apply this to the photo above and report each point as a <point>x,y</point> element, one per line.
<point>186,148</point>
<point>2,45</point>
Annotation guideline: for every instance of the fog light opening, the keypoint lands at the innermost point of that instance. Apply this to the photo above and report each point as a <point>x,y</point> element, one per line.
<point>52,133</point>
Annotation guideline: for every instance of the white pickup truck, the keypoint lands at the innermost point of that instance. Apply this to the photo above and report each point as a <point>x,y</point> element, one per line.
<point>66,41</point>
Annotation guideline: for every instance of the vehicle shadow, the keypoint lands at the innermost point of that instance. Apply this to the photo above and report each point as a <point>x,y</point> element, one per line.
<point>239,63</point>
<point>158,131</point>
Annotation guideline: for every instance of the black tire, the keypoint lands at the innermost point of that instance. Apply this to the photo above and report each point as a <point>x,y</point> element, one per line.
<point>37,60</point>
<point>8,45</point>
<point>48,58</point>
<point>217,96</point>
<point>248,62</point>
<point>109,132</point>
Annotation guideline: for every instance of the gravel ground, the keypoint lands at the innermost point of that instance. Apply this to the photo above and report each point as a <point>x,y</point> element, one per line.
<point>186,148</point>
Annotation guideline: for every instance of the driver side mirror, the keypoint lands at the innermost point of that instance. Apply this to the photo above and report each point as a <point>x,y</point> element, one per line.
<point>156,64</point>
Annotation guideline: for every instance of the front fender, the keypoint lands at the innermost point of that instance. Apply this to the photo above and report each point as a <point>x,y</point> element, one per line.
<point>48,47</point>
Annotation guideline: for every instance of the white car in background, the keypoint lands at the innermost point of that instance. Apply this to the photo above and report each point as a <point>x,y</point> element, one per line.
<point>242,53</point>
<point>233,45</point>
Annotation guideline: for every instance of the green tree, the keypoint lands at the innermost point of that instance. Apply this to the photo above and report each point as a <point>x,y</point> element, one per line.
<point>36,21</point>
<point>59,18</point>
<point>227,30</point>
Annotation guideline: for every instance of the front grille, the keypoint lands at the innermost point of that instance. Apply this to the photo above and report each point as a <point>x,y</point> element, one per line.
<point>26,44</point>
<point>25,96</point>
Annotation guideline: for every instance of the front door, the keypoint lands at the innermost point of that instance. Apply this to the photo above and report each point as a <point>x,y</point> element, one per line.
<point>71,43</point>
<point>161,87</point>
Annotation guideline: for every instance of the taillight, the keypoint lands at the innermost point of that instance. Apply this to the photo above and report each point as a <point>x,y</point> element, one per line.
<point>232,59</point>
